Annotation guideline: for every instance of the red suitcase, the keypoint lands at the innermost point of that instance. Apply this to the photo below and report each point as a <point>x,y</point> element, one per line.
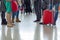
<point>48,17</point>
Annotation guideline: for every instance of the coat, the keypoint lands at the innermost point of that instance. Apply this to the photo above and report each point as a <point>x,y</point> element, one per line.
<point>2,6</point>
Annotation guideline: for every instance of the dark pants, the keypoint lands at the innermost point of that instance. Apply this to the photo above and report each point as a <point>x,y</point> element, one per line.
<point>56,12</point>
<point>3,15</point>
<point>37,7</point>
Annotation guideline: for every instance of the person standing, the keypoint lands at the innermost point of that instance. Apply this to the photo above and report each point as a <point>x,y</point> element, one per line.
<point>56,4</point>
<point>16,13</point>
<point>3,10</point>
<point>8,11</point>
<point>37,7</point>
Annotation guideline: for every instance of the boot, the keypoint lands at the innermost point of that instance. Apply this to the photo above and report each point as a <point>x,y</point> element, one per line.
<point>4,22</point>
<point>12,20</point>
<point>9,22</point>
<point>17,20</point>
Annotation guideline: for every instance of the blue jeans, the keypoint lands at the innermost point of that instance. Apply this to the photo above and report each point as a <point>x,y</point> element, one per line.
<point>15,14</point>
<point>56,12</point>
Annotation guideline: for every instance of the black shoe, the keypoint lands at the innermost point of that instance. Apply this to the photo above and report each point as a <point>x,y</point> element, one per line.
<point>4,22</point>
<point>36,20</point>
<point>54,24</point>
<point>42,23</point>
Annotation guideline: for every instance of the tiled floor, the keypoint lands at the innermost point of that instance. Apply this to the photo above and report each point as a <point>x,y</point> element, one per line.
<point>29,30</point>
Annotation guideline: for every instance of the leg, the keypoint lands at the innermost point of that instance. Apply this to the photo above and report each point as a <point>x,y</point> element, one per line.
<point>50,7</point>
<point>13,16</point>
<point>38,15</point>
<point>56,13</point>
<point>37,11</point>
<point>17,16</point>
<point>3,15</point>
<point>4,22</point>
<point>8,15</point>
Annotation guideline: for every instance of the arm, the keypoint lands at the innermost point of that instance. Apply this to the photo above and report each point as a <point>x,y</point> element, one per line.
<point>17,2</point>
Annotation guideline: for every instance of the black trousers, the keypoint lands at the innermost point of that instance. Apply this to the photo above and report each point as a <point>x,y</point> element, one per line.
<point>3,15</point>
<point>37,7</point>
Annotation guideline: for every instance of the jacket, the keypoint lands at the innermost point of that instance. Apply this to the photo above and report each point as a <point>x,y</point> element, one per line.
<point>2,7</point>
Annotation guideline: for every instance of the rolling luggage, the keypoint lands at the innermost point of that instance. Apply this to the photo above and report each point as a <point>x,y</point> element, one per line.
<point>48,17</point>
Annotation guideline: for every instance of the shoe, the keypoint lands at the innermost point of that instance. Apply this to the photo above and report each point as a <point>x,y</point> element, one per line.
<point>54,24</point>
<point>36,20</point>
<point>9,21</point>
<point>12,20</point>
<point>4,22</point>
<point>17,20</point>
<point>42,23</point>
<point>9,25</point>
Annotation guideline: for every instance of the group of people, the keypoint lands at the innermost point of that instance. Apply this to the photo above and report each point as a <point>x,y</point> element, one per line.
<point>38,5</point>
<point>6,8</point>
<point>45,5</point>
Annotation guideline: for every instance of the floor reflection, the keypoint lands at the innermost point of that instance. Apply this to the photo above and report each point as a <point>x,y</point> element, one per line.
<point>3,36</point>
<point>49,32</point>
<point>9,34</point>
<point>55,33</point>
<point>16,34</point>
<point>37,32</point>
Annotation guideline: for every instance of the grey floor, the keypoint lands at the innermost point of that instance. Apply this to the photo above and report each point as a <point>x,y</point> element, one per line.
<point>29,30</point>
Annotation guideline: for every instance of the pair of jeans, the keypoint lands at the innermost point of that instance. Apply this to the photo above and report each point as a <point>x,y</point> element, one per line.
<point>56,11</point>
<point>15,14</point>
